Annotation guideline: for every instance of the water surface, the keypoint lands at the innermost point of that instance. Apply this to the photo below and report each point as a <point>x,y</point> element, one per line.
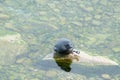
<point>29,28</point>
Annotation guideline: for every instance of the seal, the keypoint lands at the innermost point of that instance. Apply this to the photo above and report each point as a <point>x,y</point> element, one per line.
<point>65,52</point>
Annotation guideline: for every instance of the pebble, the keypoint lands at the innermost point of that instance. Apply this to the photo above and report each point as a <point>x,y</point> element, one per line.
<point>106,76</point>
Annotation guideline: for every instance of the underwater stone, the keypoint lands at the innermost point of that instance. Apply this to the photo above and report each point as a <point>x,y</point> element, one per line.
<point>97,16</point>
<point>12,38</point>
<point>51,73</point>
<point>96,22</point>
<point>4,16</point>
<point>9,25</point>
<point>88,18</point>
<point>106,76</point>
<point>89,9</point>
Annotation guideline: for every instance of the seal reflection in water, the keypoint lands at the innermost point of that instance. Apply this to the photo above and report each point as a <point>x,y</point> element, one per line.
<point>64,54</point>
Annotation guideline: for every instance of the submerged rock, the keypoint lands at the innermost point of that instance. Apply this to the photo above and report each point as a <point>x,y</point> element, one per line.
<point>12,38</point>
<point>11,45</point>
<point>4,16</point>
<point>106,76</point>
<point>85,59</point>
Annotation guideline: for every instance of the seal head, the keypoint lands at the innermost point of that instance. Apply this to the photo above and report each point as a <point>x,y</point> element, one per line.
<point>63,46</point>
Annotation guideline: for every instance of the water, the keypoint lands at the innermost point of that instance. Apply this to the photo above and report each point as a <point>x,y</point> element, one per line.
<point>29,28</point>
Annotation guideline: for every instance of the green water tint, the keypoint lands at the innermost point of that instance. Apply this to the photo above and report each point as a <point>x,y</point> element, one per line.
<point>92,25</point>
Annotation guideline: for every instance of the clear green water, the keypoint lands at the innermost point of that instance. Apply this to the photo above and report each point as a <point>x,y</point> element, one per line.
<point>29,28</point>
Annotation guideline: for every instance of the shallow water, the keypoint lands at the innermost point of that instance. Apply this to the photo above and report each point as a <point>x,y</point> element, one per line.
<point>29,28</point>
